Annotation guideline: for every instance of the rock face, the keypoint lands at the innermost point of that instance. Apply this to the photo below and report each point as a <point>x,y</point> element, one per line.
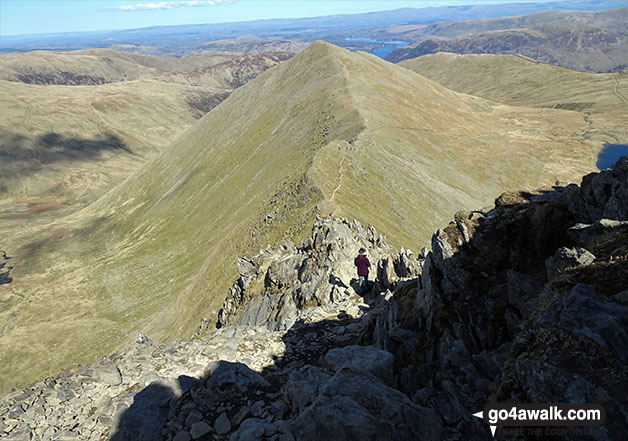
<point>524,301</point>
<point>276,286</point>
<point>288,308</point>
<point>527,302</point>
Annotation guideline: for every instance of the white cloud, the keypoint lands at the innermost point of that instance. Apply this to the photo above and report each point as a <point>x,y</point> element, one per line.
<point>171,5</point>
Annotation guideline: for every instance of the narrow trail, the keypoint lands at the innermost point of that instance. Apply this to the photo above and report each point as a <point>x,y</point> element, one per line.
<point>616,92</point>
<point>333,193</point>
<point>27,113</point>
<point>96,113</point>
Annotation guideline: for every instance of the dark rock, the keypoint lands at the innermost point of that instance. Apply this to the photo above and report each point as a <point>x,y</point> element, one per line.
<point>583,312</point>
<point>199,429</point>
<point>354,406</point>
<point>523,291</point>
<point>225,374</point>
<point>184,435</point>
<point>567,258</point>
<point>363,359</point>
<point>222,424</point>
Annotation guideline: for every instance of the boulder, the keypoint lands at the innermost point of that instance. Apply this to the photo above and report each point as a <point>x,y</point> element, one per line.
<point>222,424</point>
<point>357,406</point>
<point>304,385</point>
<point>601,230</point>
<point>225,374</point>
<point>583,312</point>
<point>362,359</point>
<point>567,258</point>
<point>199,429</point>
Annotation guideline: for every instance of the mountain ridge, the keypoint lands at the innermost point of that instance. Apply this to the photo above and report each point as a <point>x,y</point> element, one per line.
<point>156,254</point>
<point>586,41</point>
<point>432,338</point>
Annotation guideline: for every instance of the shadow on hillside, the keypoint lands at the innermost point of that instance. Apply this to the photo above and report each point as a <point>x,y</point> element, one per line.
<point>82,146</point>
<point>305,344</point>
<point>21,156</point>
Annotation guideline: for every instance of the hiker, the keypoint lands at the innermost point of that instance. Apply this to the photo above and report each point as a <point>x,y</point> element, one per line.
<point>363,265</point>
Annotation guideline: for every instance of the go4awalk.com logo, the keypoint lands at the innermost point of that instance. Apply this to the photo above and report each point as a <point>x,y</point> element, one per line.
<point>546,417</point>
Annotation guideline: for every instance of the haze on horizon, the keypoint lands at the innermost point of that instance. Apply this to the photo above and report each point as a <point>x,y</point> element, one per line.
<point>26,17</point>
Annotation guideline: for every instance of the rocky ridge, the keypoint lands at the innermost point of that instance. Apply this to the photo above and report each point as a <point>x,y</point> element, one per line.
<point>210,387</point>
<point>527,301</point>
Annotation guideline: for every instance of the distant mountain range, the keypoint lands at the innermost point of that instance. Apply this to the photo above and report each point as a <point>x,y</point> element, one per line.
<point>178,40</point>
<point>593,41</point>
<point>327,131</point>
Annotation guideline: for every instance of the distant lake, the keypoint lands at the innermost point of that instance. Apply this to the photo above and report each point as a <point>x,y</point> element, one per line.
<point>610,154</point>
<point>386,48</point>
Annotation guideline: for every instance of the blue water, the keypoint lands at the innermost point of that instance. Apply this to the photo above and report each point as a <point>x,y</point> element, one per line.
<point>610,154</point>
<point>386,48</point>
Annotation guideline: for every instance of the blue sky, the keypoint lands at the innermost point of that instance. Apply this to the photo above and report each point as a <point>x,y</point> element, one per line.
<point>43,16</point>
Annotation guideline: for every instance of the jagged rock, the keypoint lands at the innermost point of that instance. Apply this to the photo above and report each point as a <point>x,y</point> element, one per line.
<point>363,359</point>
<point>355,406</point>
<point>241,415</point>
<point>222,424</point>
<point>318,272</point>
<point>304,385</point>
<point>184,435</point>
<point>199,429</point>
<point>483,311</point>
<point>194,417</point>
<point>523,291</point>
<point>583,312</point>
<point>109,374</point>
<point>257,408</point>
<point>603,195</point>
<point>248,270</point>
<point>567,258</point>
<point>226,374</point>
<point>251,429</point>
<point>602,229</point>
<point>279,409</point>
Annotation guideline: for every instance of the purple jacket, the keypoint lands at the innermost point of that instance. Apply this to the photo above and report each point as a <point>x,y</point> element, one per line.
<point>363,264</point>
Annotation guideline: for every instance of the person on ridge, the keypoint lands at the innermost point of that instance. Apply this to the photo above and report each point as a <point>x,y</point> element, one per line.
<point>363,265</point>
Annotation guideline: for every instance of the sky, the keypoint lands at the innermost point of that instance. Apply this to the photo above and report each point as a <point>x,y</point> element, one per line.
<point>19,17</point>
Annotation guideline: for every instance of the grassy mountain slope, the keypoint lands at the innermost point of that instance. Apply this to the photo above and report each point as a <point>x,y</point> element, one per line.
<point>76,124</point>
<point>327,130</point>
<point>520,81</point>
<point>97,66</point>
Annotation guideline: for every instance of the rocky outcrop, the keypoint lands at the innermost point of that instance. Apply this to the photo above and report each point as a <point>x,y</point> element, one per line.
<point>527,302</point>
<point>4,269</point>
<point>276,286</point>
<point>294,314</point>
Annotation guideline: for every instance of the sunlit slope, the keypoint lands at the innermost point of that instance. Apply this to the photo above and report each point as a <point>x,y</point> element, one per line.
<point>174,227</point>
<point>427,151</point>
<point>66,139</point>
<point>96,66</point>
<point>48,129</point>
<point>521,81</point>
<point>328,130</point>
